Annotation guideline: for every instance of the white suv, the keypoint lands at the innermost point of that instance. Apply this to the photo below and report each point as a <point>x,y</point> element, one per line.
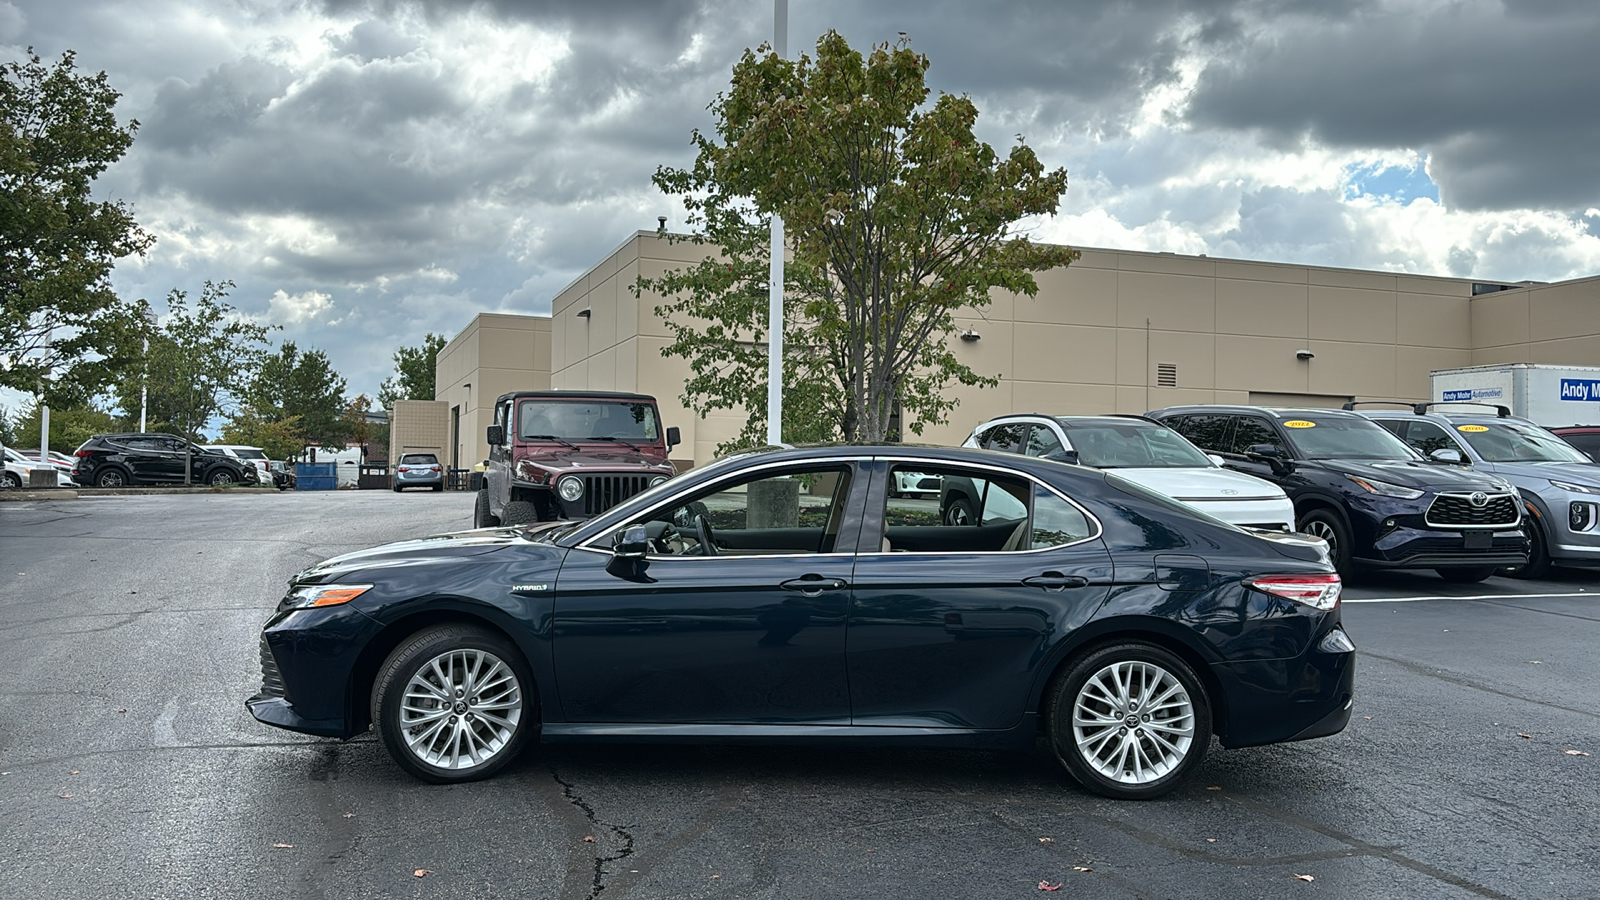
<point>1147,453</point>
<point>250,456</point>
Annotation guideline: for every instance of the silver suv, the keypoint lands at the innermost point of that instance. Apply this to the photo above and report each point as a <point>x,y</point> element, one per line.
<point>1560,486</point>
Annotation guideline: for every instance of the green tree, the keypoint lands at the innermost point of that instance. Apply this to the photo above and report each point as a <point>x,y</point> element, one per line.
<point>897,217</point>
<point>61,325</point>
<point>200,363</point>
<point>413,373</point>
<point>278,438</point>
<point>304,387</point>
<point>70,426</point>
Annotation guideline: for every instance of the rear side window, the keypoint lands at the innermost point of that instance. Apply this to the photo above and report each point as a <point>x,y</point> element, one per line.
<point>1006,438</point>
<point>1208,432</point>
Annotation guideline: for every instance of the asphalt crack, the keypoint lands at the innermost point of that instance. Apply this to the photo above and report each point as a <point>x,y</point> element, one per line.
<point>623,836</point>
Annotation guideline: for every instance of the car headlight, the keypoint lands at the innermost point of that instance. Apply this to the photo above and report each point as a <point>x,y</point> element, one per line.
<point>1385,489</point>
<point>312,595</point>
<point>570,488</point>
<point>1575,488</point>
<point>658,481</point>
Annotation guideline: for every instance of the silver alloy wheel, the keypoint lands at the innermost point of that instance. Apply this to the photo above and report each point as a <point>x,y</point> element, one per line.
<point>223,477</point>
<point>1321,529</point>
<point>110,478</point>
<point>1133,722</point>
<point>460,709</point>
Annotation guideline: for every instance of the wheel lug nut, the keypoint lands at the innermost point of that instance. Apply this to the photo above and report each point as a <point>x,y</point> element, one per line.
<point>1146,717</point>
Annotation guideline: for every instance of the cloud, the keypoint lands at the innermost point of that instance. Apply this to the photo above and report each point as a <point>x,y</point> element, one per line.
<point>287,309</point>
<point>12,20</point>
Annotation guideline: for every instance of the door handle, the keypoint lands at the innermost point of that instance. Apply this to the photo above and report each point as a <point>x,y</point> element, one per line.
<point>812,585</point>
<point>1055,581</point>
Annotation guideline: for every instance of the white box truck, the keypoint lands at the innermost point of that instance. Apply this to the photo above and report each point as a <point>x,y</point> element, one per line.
<point>1551,396</point>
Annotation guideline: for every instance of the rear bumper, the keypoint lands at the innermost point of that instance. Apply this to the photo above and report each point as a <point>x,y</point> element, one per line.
<point>1277,700</point>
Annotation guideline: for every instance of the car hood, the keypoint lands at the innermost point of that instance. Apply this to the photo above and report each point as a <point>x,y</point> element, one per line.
<point>1585,474</point>
<point>1198,483</point>
<point>587,459</point>
<point>1414,474</point>
<point>440,548</point>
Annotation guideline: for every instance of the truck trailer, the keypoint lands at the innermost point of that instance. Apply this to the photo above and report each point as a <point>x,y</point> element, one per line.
<point>1552,396</point>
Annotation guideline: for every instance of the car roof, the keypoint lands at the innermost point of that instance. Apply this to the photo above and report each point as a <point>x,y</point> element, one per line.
<point>1277,412</point>
<point>1454,417</point>
<point>574,395</point>
<point>1107,419</point>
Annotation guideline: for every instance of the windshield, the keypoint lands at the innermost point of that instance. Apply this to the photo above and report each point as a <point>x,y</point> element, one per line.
<point>1514,442</point>
<point>1340,437</point>
<point>586,420</point>
<point>1133,445</point>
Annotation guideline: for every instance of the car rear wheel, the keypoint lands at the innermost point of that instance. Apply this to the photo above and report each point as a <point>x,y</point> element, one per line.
<point>1326,524</point>
<point>454,703</point>
<point>1466,574</point>
<point>481,517</point>
<point>110,478</point>
<point>519,512</point>
<point>1129,720</point>
<point>220,477</point>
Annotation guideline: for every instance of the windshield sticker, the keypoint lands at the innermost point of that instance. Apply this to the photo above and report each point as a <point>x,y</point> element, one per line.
<point>1299,423</point>
<point>1474,429</point>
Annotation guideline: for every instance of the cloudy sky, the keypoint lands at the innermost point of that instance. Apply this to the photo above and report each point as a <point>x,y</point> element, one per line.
<point>370,170</point>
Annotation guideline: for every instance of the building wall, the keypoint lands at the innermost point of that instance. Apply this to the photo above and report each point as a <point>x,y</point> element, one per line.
<point>1095,337</point>
<point>495,354</point>
<point>418,426</point>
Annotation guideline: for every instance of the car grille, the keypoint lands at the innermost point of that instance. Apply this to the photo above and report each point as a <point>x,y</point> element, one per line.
<point>601,492</point>
<point>1457,511</point>
<point>271,678</point>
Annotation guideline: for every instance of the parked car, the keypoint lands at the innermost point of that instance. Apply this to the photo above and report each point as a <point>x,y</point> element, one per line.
<point>570,455</point>
<point>1374,500</point>
<point>251,456</point>
<point>726,605</point>
<point>118,460</point>
<point>1559,486</point>
<point>418,470</point>
<point>1585,437</point>
<point>54,458</point>
<point>1138,449</point>
<point>19,470</point>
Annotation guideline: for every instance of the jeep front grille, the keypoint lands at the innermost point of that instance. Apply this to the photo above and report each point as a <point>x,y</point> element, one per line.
<point>1457,511</point>
<point>601,492</point>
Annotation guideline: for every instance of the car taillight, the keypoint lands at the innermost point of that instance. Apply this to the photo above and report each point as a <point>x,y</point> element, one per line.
<point>1318,590</point>
<point>82,454</point>
<point>405,468</point>
<point>433,468</point>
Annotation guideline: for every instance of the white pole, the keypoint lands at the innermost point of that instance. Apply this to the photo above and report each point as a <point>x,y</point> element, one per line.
<point>44,430</point>
<point>780,42</point>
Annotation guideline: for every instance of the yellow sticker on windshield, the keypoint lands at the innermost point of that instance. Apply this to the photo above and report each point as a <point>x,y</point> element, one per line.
<point>1299,423</point>
<point>1472,428</point>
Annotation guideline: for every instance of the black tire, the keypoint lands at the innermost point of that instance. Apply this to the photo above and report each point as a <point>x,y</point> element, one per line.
<point>1154,661</point>
<point>220,477</point>
<point>519,512</point>
<point>1328,525</point>
<point>397,489</point>
<point>959,512</point>
<point>13,480</point>
<point>1538,564</point>
<point>460,645</point>
<point>438,487</point>
<point>1466,574</point>
<point>480,512</point>
<point>111,477</point>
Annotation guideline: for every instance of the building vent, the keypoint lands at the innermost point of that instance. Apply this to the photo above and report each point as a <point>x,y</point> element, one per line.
<point>1166,374</point>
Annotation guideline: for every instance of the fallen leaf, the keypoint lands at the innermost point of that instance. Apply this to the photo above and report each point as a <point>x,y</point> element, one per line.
<point>1305,877</point>
<point>419,873</point>
<point>1536,662</point>
<point>1213,788</point>
<point>1047,840</point>
<point>284,846</point>
<point>1575,752</point>
<point>1521,735</point>
<point>1368,718</point>
<point>1446,631</point>
<point>73,772</point>
<point>121,710</point>
<point>1211,840</point>
<point>588,839</point>
<point>66,796</point>
<point>1082,869</point>
<point>1047,886</point>
<point>716,876</point>
<point>349,815</point>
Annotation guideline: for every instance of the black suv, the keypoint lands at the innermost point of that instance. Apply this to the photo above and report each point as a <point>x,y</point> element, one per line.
<point>1372,498</point>
<point>118,460</point>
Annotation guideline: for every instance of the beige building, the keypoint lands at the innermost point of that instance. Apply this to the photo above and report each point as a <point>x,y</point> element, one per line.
<point>1117,331</point>
<point>493,355</point>
<point>418,426</point>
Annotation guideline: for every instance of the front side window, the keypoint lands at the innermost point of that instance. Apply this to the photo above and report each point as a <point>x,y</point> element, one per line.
<point>1042,442</point>
<point>1588,444</point>
<point>793,511</point>
<point>586,420</point>
<point>1252,431</point>
<point>1006,438</point>
<point>1208,432</point>
<point>1426,437</point>
<point>979,513</point>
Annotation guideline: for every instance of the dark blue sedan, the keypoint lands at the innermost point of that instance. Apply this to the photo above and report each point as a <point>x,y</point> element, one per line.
<point>793,596</point>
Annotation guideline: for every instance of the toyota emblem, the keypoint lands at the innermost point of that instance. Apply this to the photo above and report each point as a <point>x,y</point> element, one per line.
<point>1478,500</point>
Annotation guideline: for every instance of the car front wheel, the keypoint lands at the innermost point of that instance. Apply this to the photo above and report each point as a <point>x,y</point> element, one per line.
<point>1322,523</point>
<point>454,703</point>
<point>519,512</point>
<point>1129,720</point>
<point>13,480</point>
<point>481,518</point>
<point>220,477</point>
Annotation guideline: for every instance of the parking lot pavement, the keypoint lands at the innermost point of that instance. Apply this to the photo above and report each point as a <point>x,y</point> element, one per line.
<point>128,633</point>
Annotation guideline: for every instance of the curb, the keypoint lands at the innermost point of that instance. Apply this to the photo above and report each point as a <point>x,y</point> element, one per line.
<point>19,494</point>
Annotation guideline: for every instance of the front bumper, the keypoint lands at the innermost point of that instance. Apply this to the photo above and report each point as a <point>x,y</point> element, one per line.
<point>1427,548</point>
<point>307,657</point>
<point>1269,514</point>
<point>1276,700</point>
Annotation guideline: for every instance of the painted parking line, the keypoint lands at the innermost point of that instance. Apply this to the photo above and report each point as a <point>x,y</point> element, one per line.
<point>1469,597</point>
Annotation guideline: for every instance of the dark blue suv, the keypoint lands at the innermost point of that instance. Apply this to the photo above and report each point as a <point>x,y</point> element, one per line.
<point>1374,500</point>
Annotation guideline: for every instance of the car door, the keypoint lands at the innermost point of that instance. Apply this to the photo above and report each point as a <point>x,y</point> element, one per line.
<point>753,633</point>
<point>498,470</point>
<point>948,622</point>
<point>148,458</point>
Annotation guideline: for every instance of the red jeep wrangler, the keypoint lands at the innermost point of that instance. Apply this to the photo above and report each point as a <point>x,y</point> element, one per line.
<point>570,455</point>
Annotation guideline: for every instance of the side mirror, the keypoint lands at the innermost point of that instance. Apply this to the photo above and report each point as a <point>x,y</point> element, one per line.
<point>674,437</point>
<point>1063,456</point>
<point>1217,459</point>
<point>632,542</point>
<point>1447,455</point>
<point>1268,451</point>
<point>496,435</point>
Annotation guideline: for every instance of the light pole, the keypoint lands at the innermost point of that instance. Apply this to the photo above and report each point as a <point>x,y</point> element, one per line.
<point>780,46</point>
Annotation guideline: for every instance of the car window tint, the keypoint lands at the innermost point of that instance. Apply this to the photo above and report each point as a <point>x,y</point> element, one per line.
<point>1055,521</point>
<point>419,459</point>
<point>1006,438</point>
<point>975,512</point>
<point>983,437</point>
<point>1042,440</point>
<point>1588,443</point>
<point>1251,431</point>
<point>1208,432</point>
<point>1426,437</point>
<point>792,511</point>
